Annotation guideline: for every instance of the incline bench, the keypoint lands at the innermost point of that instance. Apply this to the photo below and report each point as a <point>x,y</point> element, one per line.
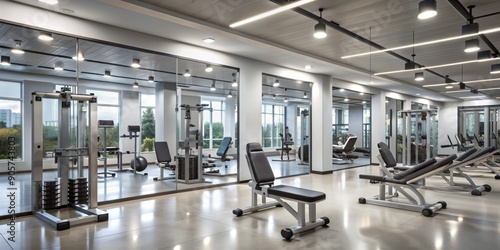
<point>406,180</point>
<point>262,184</point>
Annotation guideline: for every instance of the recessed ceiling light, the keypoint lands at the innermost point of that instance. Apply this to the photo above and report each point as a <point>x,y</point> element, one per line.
<point>45,36</point>
<point>308,67</point>
<point>418,94</point>
<point>419,76</point>
<point>17,49</point>
<point>472,45</point>
<point>51,2</point>
<point>208,40</point>
<point>427,9</point>
<point>80,57</point>
<point>495,69</point>
<point>209,68</point>
<point>5,60</point>
<point>361,93</point>
<point>59,66</point>
<point>346,99</point>
<point>136,63</point>
<point>364,102</point>
<point>341,90</point>
<point>449,87</point>
<point>299,82</point>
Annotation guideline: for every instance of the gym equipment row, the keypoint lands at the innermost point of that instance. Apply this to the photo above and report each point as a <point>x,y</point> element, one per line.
<point>262,183</point>
<point>390,185</point>
<point>63,193</point>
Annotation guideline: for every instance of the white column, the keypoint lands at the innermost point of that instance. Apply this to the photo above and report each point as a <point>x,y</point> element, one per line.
<point>378,123</point>
<point>250,114</point>
<point>165,115</point>
<point>321,126</point>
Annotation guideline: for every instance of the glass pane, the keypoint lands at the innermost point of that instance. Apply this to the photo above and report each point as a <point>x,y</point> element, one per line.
<point>148,100</point>
<point>10,127</point>
<point>10,89</point>
<point>105,97</point>
<point>217,105</point>
<point>147,129</point>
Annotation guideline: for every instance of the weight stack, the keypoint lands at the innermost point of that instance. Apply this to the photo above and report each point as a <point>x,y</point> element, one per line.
<point>78,191</point>
<point>51,194</point>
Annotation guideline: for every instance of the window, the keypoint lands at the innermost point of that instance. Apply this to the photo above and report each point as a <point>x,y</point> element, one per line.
<point>108,109</point>
<point>273,120</point>
<point>147,122</point>
<point>10,120</point>
<point>213,123</point>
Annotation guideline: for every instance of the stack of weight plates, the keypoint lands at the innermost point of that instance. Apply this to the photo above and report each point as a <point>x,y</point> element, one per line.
<point>78,191</point>
<point>51,198</point>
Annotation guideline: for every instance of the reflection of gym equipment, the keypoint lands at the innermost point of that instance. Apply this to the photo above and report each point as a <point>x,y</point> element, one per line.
<point>139,163</point>
<point>403,182</point>
<point>421,141</point>
<point>286,142</point>
<point>163,157</point>
<point>189,167</point>
<point>220,155</point>
<point>105,124</point>
<point>79,194</point>
<point>304,145</point>
<point>344,152</point>
<point>262,184</point>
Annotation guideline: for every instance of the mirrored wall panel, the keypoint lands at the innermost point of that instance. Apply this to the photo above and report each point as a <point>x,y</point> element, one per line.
<point>351,121</point>
<point>139,123</point>
<point>286,127</point>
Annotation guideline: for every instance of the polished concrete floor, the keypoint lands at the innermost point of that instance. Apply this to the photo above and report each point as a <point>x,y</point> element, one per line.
<point>202,219</point>
<point>127,185</point>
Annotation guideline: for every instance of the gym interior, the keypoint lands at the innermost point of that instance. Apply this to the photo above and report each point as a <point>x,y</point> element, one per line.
<point>167,125</point>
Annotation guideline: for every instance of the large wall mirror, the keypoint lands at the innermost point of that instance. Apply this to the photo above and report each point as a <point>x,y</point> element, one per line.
<point>286,124</point>
<point>139,114</point>
<point>351,123</point>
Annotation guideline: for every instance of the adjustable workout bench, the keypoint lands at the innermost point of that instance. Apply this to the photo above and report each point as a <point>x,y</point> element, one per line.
<point>405,180</point>
<point>450,172</point>
<point>262,184</point>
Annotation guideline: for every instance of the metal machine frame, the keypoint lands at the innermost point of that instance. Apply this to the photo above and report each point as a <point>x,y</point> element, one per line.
<point>189,141</point>
<point>304,121</point>
<point>88,211</point>
<point>406,133</point>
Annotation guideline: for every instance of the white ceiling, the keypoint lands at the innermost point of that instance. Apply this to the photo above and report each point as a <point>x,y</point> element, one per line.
<point>286,38</point>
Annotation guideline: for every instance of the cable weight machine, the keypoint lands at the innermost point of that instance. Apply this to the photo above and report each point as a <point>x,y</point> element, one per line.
<point>189,166</point>
<point>79,195</point>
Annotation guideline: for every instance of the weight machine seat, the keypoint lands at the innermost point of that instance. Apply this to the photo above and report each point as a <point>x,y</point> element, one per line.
<point>348,146</point>
<point>263,175</point>
<point>390,162</point>
<point>163,154</point>
<point>222,150</point>
<point>262,184</point>
<point>295,193</point>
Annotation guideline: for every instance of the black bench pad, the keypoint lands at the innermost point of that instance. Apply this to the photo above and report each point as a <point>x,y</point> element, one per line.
<point>295,193</point>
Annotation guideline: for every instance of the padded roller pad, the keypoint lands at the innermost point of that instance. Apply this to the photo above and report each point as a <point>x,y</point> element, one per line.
<point>295,193</point>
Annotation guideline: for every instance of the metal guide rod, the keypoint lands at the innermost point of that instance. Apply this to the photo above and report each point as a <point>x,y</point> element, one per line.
<point>421,115</point>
